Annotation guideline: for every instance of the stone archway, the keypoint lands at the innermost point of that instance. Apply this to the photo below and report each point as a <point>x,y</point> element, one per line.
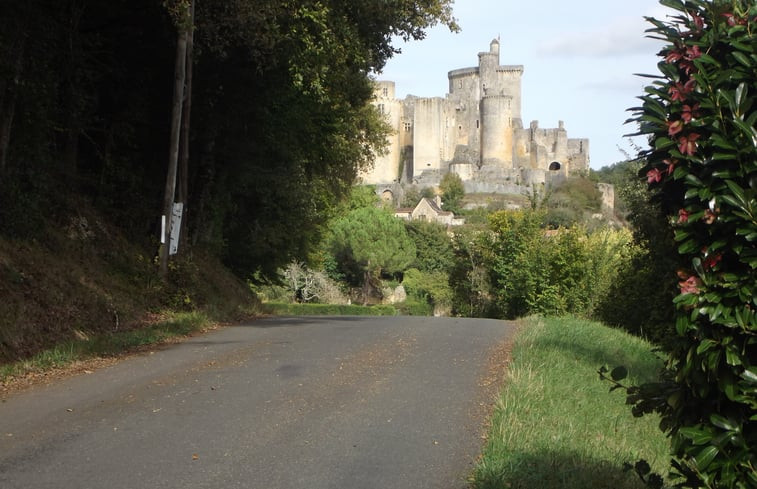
<point>555,166</point>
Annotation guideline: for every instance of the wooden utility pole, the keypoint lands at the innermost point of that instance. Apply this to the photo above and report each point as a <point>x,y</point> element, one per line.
<point>184,26</point>
<point>185,126</point>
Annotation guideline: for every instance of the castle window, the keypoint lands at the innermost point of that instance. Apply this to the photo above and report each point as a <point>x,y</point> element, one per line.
<point>381,108</point>
<point>477,124</point>
<point>407,126</point>
<point>385,91</point>
<point>459,128</point>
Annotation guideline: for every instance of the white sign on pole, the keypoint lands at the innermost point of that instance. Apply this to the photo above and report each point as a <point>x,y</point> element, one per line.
<point>178,209</point>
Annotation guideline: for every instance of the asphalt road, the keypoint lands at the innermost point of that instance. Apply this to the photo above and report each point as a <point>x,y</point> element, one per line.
<point>336,402</point>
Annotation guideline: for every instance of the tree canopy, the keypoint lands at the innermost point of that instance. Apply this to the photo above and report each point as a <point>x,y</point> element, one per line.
<point>281,118</point>
<point>373,241</point>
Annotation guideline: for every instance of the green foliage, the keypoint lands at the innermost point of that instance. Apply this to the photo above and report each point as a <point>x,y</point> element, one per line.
<point>649,277</point>
<point>517,244</point>
<point>470,277</point>
<point>701,118</point>
<point>430,287</point>
<point>453,192</point>
<point>555,272</point>
<point>371,241</point>
<point>413,195</point>
<point>572,202</point>
<point>433,246</point>
<point>362,196</point>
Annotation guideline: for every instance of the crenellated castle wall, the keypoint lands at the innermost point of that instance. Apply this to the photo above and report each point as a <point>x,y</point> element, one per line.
<point>475,131</point>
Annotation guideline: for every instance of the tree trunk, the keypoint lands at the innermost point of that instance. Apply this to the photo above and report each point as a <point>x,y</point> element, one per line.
<point>170,188</point>
<point>72,102</point>
<point>185,126</point>
<point>8,106</point>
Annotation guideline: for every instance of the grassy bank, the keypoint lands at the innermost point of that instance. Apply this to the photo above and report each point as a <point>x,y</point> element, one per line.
<point>85,348</point>
<point>84,285</point>
<point>556,425</point>
<point>290,309</point>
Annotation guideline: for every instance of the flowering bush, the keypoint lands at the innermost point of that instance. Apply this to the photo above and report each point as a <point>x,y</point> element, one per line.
<point>701,116</point>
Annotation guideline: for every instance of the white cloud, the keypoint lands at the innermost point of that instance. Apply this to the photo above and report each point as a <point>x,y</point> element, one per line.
<point>621,37</point>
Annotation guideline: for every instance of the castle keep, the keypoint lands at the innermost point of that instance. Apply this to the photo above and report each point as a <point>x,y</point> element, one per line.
<point>476,131</point>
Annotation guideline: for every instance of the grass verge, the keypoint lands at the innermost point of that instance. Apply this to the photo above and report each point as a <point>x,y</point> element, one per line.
<point>285,309</point>
<point>556,425</point>
<point>103,345</point>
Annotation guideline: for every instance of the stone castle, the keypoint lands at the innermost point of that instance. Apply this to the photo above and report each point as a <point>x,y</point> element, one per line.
<point>476,131</point>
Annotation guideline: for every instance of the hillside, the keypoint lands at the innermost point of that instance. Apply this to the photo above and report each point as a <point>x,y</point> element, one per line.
<point>82,277</point>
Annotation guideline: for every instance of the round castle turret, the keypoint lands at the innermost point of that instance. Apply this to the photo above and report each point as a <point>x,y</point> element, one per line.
<point>496,131</point>
<point>488,62</point>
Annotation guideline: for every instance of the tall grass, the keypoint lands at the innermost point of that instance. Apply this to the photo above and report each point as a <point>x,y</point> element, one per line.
<point>556,425</point>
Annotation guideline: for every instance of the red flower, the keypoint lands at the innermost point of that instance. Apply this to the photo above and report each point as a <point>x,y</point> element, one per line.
<point>733,20</point>
<point>679,91</point>
<point>690,285</point>
<point>654,175</point>
<point>687,144</point>
<point>689,113</point>
<point>711,260</point>
<point>698,21</point>
<point>674,127</point>
<point>671,165</point>
<point>692,53</point>
<point>683,216</point>
<point>674,56</point>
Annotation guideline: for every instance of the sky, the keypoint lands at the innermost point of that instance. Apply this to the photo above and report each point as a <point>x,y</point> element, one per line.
<point>579,59</point>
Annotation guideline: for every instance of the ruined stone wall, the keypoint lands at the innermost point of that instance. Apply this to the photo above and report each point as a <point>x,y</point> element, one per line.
<point>578,149</point>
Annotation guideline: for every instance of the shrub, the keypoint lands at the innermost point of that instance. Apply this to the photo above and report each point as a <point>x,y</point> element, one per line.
<point>701,118</point>
<point>552,272</point>
<point>430,287</point>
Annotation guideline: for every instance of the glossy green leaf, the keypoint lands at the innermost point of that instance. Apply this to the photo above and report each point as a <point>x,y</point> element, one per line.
<point>697,435</point>
<point>706,345</point>
<point>742,58</point>
<point>750,375</point>
<point>705,457</point>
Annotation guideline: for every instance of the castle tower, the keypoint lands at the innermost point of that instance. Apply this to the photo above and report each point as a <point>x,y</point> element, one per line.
<point>496,131</point>
<point>488,62</point>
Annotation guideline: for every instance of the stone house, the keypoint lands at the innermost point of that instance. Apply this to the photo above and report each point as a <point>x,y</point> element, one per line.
<point>429,210</point>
